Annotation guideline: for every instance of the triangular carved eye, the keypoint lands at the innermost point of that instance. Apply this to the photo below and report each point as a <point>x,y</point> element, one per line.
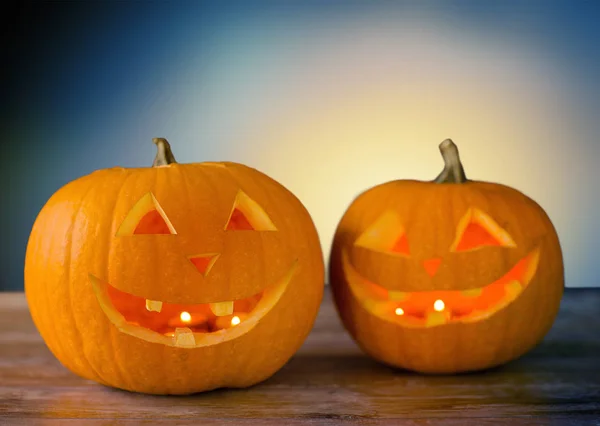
<point>385,235</point>
<point>146,217</point>
<point>476,229</point>
<point>238,222</point>
<point>401,245</point>
<point>248,215</point>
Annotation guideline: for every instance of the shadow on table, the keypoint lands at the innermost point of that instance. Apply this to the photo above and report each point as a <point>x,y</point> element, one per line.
<point>353,387</point>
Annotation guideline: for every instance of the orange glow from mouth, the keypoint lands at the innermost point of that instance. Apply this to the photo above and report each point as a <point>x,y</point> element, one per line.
<point>187,325</point>
<point>429,308</point>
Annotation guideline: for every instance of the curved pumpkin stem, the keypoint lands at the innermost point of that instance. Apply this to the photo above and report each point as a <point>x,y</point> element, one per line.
<point>453,169</point>
<point>164,155</point>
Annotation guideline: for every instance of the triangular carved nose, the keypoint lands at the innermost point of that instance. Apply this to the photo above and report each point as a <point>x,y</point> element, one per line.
<point>432,265</point>
<point>204,262</point>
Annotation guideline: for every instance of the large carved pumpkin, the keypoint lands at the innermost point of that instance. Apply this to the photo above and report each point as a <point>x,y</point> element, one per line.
<point>446,276</point>
<point>174,279</point>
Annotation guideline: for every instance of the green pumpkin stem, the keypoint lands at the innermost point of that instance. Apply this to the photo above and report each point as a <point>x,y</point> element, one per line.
<point>453,169</point>
<point>164,155</point>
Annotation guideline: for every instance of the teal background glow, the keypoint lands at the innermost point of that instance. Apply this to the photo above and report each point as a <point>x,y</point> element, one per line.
<point>329,98</point>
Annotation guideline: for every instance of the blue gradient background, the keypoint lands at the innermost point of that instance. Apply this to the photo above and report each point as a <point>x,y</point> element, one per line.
<point>329,98</point>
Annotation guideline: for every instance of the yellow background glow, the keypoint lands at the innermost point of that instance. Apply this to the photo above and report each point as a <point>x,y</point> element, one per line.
<point>372,106</point>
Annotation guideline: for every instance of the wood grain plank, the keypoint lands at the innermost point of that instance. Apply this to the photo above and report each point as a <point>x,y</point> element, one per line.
<point>564,420</point>
<point>329,381</point>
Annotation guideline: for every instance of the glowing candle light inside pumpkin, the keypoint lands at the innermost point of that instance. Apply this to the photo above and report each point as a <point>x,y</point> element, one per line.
<point>230,321</point>
<point>439,305</point>
<point>399,311</point>
<point>185,316</point>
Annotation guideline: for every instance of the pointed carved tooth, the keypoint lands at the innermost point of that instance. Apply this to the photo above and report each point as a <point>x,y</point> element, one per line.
<point>435,318</point>
<point>184,338</point>
<point>473,292</point>
<point>512,288</point>
<point>397,296</point>
<point>221,309</point>
<point>153,305</point>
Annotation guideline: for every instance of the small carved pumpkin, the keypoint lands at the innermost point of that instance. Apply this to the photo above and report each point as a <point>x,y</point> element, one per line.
<point>446,276</point>
<point>174,279</point>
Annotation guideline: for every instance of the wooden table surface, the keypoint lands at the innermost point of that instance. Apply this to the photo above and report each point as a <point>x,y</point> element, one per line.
<point>329,381</point>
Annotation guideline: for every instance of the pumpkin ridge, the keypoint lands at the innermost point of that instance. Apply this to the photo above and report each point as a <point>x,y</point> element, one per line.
<point>58,344</point>
<point>69,254</point>
<point>105,264</point>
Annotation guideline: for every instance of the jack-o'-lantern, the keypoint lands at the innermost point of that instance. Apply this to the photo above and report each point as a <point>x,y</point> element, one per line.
<point>176,278</point>
<point>446,276</point>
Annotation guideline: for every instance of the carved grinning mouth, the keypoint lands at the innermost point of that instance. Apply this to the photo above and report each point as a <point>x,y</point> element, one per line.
<point>438,307</point>
<point>189,325</point>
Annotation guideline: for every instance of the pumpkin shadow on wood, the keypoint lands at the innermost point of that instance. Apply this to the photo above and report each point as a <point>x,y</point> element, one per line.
<point>335,370</point>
